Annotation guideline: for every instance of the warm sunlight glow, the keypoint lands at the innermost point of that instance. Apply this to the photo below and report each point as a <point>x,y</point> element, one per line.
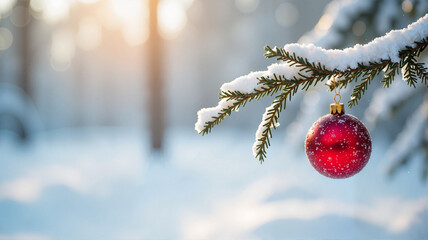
<point>127,10</point>
<point>89,34</point>
<point>130,17</point>
<point>107,16</point>
<point>135,33</point>
<point>133,18</point>
<point>6,6</point>
<point>407,6</point>
<point>88,1</point>
<point>62,49</point>
<point>324,23</point>
<point>55,10</point>
<point>172,18</point>
<point>186,3</point>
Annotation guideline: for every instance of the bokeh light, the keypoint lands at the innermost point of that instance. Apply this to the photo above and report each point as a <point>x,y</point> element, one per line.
<point>55,11</point>
<point>88,1</point>
<point>324,23</point>
<point>247,6</point>
<point>20,16</point>
<point>286,14</point>
<point>107,16</point>
<point>407,6</point>
<point>132,16</point>
<point>83,81</point>
<point>89,34</point>
<point>127,10</point>
<point>6,38</point>
<point>6,6</point>
<point>359,28</point>
<point>62,49</point>
<point>172,18</point>
<point>136,32</point>
<point>37,5</point>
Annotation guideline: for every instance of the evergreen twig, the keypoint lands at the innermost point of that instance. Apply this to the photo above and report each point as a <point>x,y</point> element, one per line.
<point>311,73</point>
<point>271,120</point>
<point>240,100</point>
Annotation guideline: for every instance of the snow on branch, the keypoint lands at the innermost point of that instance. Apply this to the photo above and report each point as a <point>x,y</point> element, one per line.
<point>243,89</point>
<point>304,65</point>
<point>387,47</point>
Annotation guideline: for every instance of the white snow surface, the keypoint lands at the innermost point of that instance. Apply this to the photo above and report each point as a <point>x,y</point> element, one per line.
<point>106,182</point>
<point>249,83</point>
<point>262,128</point>
<point>244,84</point>
<point>382,48</point>
<point>207,114</point>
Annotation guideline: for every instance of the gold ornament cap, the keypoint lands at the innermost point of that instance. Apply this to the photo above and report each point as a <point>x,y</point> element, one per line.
<point>337,108</point>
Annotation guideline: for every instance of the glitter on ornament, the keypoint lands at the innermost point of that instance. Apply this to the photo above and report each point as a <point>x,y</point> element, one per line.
<point>338,145</point>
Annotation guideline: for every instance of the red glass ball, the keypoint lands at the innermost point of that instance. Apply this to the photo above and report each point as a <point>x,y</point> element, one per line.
<point>338,146</point>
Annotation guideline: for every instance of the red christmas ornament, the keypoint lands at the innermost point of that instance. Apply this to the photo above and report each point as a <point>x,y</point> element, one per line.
<point>338,145</point>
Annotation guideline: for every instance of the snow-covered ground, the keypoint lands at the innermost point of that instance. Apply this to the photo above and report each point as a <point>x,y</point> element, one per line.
<point>103,183</point>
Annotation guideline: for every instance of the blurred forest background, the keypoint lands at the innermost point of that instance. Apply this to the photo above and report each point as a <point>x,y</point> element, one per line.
<point>91,91</point>
<point>88,62</point>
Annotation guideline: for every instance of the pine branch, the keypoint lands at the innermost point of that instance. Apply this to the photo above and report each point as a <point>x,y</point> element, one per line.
<point>360,89</point>
<point>344,80</point>
<point>271,119</point>
<point>309,74</point>
<point>408,68</point>
<point>223,113</point>
<point>421,72</point>
<point>275,82</point>
<point>281,54</point>
<point>288,90</point>
<point>390,72</point>
<point>420,47</point>
<point>241,99</point>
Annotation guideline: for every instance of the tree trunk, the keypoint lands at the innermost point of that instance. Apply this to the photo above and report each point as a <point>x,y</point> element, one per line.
<point>157,121</point>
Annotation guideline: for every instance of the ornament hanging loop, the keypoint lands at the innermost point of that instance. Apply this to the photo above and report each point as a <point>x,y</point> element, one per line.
<point>337,107</point>
<point>337,101</point>
<point>336,89</point>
